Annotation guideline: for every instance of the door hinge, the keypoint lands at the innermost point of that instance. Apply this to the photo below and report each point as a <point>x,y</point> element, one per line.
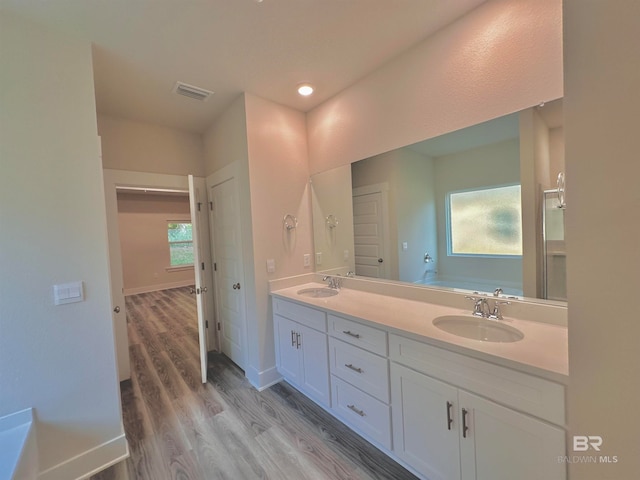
<point>215,267</point>
<point>211,206</point>
<point>218,325</point>
<point>202,263</point>
<point>206,323</point>
<point>199,205</point>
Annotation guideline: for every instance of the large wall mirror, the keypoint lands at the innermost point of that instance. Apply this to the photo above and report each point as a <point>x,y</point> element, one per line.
<point>476,209</point>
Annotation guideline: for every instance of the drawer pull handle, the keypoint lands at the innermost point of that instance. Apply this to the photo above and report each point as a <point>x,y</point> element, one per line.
<point>355,369</point>
<point>297,340</point>
<point>357,410</point>
<point>449,419</point>
<point>351,334</point>
<point>293,338</point>
<point>465,428</point>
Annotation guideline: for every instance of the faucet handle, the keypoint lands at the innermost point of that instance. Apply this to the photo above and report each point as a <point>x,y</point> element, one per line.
<point>497,292</point>
<point>496,309</point>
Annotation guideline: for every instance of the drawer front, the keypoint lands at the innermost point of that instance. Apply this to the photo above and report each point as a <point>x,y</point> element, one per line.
<point>358,334</point>
<point>361,368</point>
<point>362,412</point>
<point>308,316</point>
<point>527,393</point>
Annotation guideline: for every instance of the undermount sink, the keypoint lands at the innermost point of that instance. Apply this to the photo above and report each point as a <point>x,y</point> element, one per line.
<point>318,292</point>
<point>477,328</point>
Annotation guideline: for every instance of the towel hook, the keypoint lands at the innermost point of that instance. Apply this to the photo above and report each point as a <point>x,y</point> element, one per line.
<point>289,222</point>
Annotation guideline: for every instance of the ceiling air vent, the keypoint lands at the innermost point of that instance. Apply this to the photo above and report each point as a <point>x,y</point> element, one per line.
<point>190,91</point>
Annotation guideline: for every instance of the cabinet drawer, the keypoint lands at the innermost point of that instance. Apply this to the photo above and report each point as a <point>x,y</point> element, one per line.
<point>308,316</point>
<point>358,334</point>
<point>527,393</point>
<point>362,412</point>
<point>361,368</point>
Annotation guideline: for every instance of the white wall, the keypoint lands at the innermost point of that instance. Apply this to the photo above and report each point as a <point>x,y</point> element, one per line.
<point>142,222</point>
<point>481,167</point>
<point>500,58</point>
<point>279,180</point>
<point>145,147</point>
<point>602,77</point>
<point>58,359</point>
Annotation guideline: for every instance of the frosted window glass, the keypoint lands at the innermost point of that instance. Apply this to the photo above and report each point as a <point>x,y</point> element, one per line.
<point>486,222</point>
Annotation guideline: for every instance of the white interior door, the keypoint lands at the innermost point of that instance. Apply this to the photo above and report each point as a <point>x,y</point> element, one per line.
<point>229,270</point>
<point>370,250</point>
<point>196,204</point>
<point>118,310</point>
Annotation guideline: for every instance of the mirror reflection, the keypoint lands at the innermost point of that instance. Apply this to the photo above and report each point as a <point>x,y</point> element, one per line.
<point>476,209</point>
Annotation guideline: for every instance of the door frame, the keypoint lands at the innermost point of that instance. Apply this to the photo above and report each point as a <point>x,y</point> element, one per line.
<point>224,174</point>
<point>383,190</point>
<point>125,178</point>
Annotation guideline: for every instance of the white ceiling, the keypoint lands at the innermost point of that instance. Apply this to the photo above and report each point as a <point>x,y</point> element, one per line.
<point>141,48</point>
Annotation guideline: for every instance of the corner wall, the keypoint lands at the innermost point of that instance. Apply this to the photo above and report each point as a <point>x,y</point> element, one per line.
<point>279,180</point>
<point>601,105</point>
<point>58,359</point>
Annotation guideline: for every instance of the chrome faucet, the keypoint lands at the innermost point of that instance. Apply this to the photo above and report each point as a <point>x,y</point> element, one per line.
<point>334,282</point>
<point>480,307</point>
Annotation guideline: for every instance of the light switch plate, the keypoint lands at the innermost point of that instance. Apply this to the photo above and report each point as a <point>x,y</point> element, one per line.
<point>318,258</point>
<point>405,246</point>
<point>271,265</point>
<point>68,293</point>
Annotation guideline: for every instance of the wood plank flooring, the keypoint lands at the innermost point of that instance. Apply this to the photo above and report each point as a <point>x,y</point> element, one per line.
<point>179,428</point>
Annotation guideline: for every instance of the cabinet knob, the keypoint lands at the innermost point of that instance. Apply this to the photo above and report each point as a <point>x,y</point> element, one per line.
<point>117,309</point>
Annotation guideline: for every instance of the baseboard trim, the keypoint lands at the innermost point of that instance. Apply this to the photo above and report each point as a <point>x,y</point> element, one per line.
<point>156,288</point>
<point>263,380</point>
<point>90,462</point>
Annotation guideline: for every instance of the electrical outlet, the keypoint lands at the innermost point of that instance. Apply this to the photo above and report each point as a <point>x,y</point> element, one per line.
<point>306,259</point>
<point>318,258</point>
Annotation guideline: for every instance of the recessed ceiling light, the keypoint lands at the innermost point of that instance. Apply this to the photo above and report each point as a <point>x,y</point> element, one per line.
<point>305,89</point>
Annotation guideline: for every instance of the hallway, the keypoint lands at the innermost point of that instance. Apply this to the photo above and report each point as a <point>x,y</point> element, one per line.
<point>178,428</point>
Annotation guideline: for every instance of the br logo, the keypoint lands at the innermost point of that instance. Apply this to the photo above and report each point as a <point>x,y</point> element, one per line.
<point>582,443</point>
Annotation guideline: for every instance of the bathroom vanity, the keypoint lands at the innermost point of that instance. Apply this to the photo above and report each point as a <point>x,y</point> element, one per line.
<point>443,405</point>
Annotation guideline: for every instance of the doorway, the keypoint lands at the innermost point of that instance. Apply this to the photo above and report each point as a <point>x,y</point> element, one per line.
<point>165,184</point>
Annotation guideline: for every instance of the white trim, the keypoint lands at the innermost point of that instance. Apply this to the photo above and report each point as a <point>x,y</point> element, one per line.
<point>263,380</point>
<point>157,288</point>
<point>179,268</point>
<point>90,462</point>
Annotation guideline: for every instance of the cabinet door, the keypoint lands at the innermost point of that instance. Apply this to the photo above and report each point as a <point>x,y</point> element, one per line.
<point>315,363</point>
<point>287,351</point>
<point>423,436</point>
<point>502,444</point>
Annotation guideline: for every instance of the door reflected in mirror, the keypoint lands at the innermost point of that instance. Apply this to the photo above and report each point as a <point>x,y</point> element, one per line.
<point>463,210</point>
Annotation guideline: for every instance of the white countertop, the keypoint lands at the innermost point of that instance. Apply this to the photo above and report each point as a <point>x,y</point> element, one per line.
<point>543,351</point>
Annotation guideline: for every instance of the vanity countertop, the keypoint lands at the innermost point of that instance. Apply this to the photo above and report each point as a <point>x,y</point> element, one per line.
<point>543,351</point>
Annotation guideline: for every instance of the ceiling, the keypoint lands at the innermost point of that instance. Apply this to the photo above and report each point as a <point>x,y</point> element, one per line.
<point>141,48</point>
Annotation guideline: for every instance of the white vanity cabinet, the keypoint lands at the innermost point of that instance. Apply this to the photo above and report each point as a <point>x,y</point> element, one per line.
<point>301,348</point>
<point>360,378</point>
<point>444,431</point>
<point>442,413</point>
